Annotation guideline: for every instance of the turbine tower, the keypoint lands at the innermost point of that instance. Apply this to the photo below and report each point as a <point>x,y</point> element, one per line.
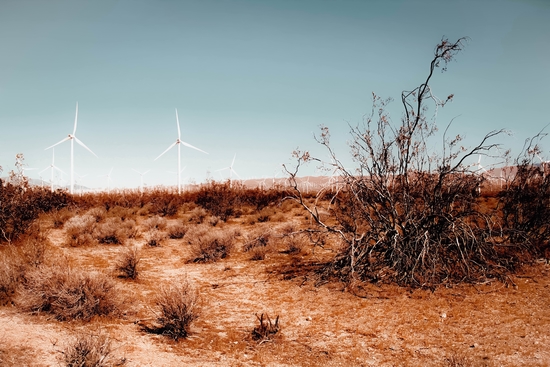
<point>72,137</point>
<point>141,175</point>
<point>179,142</point>
<point>52,167</point>
<point>230,168</point>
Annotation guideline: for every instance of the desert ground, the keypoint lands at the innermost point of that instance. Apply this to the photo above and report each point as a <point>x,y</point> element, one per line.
<point>320,323</point>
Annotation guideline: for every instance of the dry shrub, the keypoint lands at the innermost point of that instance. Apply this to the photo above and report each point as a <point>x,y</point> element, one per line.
<point>59,217</point>
<point>208,245</point>
<point>266,330</point>
<point>130,228</point>
<point>155,222</point>
<point>155,238</point>
<point>177,230</point>
<point>79,230</point>
<point>111,231</point>
<point>198,215</point>
<point>68,294</point>
<point>458,361</point>
<point>127,264</point>
<point>12,270</point>
<point>257,243</point>
<point>89,350</point>
<point>145,210</point>
<point>99,213</point>
<point>121,212</point>
<point>178,307</point>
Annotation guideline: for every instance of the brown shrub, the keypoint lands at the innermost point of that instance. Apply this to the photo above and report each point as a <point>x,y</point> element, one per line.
<point>89,350</point>
<point>12,270</point>
<point>68,294</point>
<point>155,238</point>
<point>99,213</point>
<point>208,245</point>
<point>198,215</point>
<point>127,264</point>
<point>266,330</point>
<point>177,230</point>
<point>155,222</point>
<point>79,229</point>
<point>178,307</point>
<point>111,231</point>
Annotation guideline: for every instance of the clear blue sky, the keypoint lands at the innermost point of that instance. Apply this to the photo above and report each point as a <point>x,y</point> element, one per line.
<point>255,78</point>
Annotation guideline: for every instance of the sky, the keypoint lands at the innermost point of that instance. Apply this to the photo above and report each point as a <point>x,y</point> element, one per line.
<point>252,78</point>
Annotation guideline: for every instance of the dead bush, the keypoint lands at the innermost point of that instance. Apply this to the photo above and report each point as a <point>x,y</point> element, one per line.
<point>265,331</point>
<point>111,231</point>
<point>208,245</point>
<point>155,222</point>
<point>59,217</point>
<point>68,294</point>
<point>127,264</point>
<point>12,270</point>
<point>178,307</point>
<point>155,238</point>
<point>79,229</point>
<point>99,213</point>
<point>177,230</point>
<point>198,215</point>
<point>89,350</point>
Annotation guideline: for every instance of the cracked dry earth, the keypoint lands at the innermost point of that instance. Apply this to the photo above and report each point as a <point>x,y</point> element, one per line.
<point>482,325</point>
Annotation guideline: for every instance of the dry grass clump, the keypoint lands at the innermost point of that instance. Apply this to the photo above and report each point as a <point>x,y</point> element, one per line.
<point>208,245</point>
<point>11,273</point>
<point>177,230</point>
<point>111,231</point>
<point>198,215</point>
<point>17,259</point>
<point>79,230</point>
<point>265,331</point>
<point>68,294</point>
<point>155,238</point>
<point>155,222</point>
<point>88,350</point>
<point>59,217</point>
<point>99,213</point>
<point>257,243</point>
<point>127,264</point>
<point>178,307</point>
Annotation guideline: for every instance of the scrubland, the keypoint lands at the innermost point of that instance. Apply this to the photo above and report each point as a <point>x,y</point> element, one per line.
<point>229,276</point>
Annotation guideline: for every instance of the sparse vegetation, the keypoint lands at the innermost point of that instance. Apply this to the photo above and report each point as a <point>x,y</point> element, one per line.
<point>68,294</point>
<point>266,329</point>
<point>209,245</point>
<point>89,350</point>
<point>178,307</point>
<point>127,264</point>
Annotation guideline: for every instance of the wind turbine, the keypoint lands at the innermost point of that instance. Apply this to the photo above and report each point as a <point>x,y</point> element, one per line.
<point>230,168</point>
<point>79,181</point>
<point>72,137</point>
<point>179,142</point>
<point>108,179</point>
<point>52,167</point>
<point>141,176</point>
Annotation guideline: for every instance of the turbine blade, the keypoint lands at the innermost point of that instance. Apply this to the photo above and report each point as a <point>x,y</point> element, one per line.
<point>235,172</point>
<point>178,122</point>
<point>144,173</point>
<point>135,170</point>
<point>170,147</point>
<point>45,169</point>
<point>75,118</point>
<point>67,138</point>
<point>190,146</point>
<point>57,168</point>
<point>233,162</point>
<point>81,143</point>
